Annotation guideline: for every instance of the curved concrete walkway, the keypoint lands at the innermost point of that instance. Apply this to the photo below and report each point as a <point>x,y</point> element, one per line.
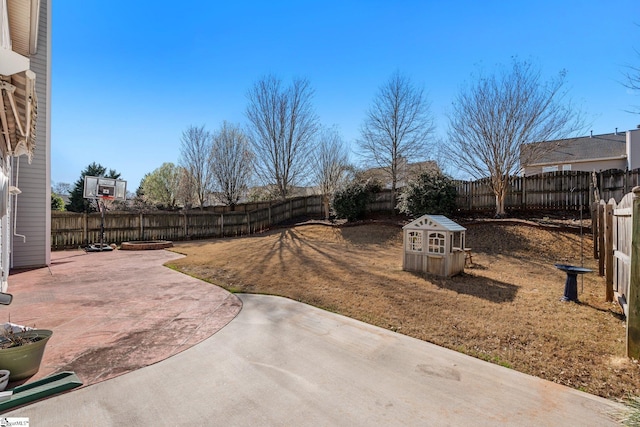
<point>115,312</point>
<point>280,362</point>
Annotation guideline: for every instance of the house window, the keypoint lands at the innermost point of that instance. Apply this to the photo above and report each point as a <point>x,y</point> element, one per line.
<point>553,168</point>
<point>415,241</point>
<point>566,167</point>
<point>436,243</point>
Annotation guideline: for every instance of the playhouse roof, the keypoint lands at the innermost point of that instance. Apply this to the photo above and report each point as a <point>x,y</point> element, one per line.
<point>434,222</point>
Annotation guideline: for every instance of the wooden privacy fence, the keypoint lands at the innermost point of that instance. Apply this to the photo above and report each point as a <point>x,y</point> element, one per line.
<point>554,190</point>
<point>563,190</point>
<point>70,230</point>
<point>617,247</point>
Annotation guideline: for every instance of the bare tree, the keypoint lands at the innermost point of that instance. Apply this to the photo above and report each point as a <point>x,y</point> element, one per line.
<point>398,127</point>
<point>330,164</point>
<point>492,117</point>
<point>283,125</point>
<point>232,164</point>
<point>186,192</point>
<point>61,188</point>
<point>632,81</point>
<point>195,157</point>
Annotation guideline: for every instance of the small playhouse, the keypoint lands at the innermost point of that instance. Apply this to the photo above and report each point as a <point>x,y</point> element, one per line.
<point>434,244</point>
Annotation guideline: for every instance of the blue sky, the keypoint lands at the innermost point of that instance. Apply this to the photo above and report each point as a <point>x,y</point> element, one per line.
<point>128,77</point>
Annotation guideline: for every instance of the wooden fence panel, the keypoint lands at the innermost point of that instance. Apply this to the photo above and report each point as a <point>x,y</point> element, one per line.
<point>514,198</point>
<point>562,190</point>
<point>618,252</point>
<point>314,206</point>
<point>203,225</point>
<point>633,301</point>
<point>382,202</point>
<point>67,230</point>
<point>121,227</point>
<point>298,207</point>
<point>162,226</point>
<point>480,195</point>
<point>281,212</point>
<point>235,224</point>
<point>608,244</point>
<point>259,220</point>
<point>555,190</point>
<point>622,232</point>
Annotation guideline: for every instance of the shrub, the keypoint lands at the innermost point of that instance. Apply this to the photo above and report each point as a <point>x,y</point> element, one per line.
<point>430,193</point>
<point>351,201</point>
<point>57,203</point>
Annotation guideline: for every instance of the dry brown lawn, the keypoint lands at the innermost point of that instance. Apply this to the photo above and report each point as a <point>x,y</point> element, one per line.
<point>505,309</point>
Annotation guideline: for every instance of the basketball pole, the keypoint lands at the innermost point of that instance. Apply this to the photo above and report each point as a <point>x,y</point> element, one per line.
<point>102,208</point>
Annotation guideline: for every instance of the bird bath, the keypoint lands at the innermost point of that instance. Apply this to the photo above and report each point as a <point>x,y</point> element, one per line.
<point>571,285</point>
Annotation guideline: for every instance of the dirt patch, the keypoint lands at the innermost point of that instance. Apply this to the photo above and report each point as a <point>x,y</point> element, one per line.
<point>505,309</point>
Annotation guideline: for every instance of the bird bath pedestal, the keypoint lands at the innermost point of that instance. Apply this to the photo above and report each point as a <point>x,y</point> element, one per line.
<point>571,285</point>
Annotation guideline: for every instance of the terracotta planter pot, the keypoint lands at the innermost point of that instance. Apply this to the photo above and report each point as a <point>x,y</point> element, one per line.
<point>24,361</point>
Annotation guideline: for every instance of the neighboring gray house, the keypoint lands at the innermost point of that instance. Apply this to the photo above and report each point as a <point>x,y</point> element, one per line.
<point>25,95</point>
<point>618,150</point>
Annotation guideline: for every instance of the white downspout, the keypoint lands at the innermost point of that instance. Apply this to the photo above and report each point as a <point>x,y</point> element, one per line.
<point>14,191</point>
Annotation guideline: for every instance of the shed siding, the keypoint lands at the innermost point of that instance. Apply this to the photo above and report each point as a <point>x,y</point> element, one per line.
<point>33,215</point>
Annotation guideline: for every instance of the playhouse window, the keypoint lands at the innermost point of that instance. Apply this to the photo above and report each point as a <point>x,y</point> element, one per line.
<point>436,243</point>
<point>415,241</point>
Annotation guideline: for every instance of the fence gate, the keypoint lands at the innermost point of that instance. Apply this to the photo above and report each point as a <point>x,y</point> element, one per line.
<point>626,260</point>
<point>622,227</point>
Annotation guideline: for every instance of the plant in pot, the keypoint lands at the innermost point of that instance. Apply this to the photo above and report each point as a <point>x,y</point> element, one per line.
<point>21,350</point>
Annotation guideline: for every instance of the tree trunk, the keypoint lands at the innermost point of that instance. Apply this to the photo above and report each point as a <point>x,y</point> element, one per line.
<point>325,202</point>
<point>500,196</point>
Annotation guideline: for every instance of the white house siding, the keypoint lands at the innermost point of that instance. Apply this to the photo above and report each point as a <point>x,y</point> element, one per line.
<point>33,215</point>
<point>586,166</point>
<point>633,148</point>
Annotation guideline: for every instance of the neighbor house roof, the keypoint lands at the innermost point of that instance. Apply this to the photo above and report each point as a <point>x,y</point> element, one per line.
<point>413,170</point>
<point>572,150</point>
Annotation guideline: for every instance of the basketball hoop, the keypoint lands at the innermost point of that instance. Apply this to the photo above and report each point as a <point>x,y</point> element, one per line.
<point>102,189</point>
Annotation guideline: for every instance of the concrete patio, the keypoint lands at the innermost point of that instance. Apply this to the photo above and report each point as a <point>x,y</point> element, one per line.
<point>115,312</point>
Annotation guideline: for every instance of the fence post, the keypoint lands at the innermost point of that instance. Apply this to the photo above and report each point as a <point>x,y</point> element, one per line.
<point>626,181</point>
<point>85,229</point>
<point>141,227</point>
<point>601,252</point>
<point>594,228</point>
<point>186,225</point>
<point>608,251</point>
<point>633,319</point>
<point>523,200</point>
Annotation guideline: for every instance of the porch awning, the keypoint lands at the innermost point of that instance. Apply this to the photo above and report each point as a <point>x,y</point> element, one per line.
<point>18,102</point>
<point>18,112</point>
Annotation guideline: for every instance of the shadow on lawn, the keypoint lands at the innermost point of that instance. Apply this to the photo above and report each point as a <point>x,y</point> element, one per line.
<point>614,313</point>
<point>476,286</point>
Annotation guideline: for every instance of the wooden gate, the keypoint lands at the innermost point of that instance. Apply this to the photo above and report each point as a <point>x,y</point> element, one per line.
<point>617,246</point>
<point>622,227</point>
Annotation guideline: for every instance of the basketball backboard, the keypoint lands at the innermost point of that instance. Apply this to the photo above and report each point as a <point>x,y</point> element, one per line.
<point>104,188</point>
